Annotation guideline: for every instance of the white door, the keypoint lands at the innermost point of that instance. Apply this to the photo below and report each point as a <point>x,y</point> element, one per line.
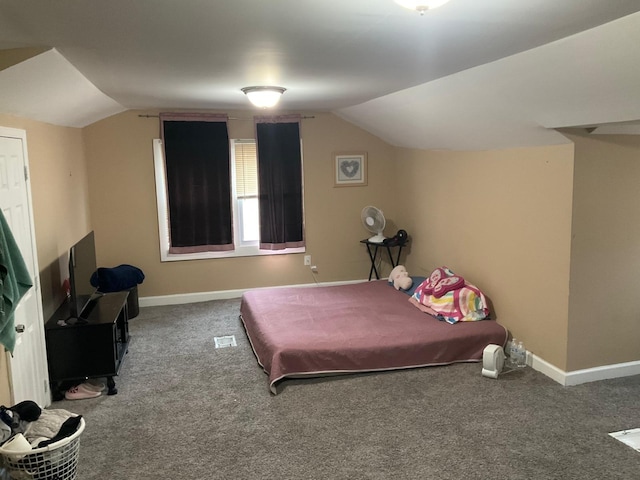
<point>28,365</point>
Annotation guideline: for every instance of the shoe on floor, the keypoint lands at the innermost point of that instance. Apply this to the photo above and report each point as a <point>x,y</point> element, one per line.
<point>94,387</point>
<point>88,389</point>
<point>77,393</point>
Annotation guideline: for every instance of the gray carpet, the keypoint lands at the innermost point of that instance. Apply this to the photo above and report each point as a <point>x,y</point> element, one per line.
<point>186,410</point>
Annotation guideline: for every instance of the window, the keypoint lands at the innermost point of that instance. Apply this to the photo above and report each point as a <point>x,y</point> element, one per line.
<point>220,176</point>
<point>245,191</point>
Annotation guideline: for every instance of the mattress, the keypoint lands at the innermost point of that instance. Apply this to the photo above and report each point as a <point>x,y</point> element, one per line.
<point>362,327</point>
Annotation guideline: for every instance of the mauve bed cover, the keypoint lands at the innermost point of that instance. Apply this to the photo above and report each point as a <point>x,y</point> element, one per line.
<point>361,327</point>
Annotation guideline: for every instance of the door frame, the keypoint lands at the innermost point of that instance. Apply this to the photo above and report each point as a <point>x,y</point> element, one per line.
<point>44,397</point>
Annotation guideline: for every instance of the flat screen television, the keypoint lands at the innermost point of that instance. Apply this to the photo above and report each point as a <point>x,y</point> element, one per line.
<point>82,264</point>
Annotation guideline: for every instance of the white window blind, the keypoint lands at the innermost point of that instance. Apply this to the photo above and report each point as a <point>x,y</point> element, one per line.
<point>246,169</point>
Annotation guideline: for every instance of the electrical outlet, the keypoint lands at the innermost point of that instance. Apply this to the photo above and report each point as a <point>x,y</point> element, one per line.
<point>307,260</point>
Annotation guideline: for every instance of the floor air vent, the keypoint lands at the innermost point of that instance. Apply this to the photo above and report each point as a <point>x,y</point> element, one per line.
<point>227,341</point>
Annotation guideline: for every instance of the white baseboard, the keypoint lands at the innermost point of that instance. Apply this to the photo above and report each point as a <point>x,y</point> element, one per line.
<point>577,377</point>
<point>182,298</point>
<point>548,369</point>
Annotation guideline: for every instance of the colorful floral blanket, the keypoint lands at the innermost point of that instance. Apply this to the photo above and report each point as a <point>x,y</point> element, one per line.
<point>449,297</point>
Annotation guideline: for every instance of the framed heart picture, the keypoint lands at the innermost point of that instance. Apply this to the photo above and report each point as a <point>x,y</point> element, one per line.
<point>350,169</point>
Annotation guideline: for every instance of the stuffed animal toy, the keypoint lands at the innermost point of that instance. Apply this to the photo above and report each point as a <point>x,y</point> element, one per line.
<point>396,271</point>
<point>400,278</point>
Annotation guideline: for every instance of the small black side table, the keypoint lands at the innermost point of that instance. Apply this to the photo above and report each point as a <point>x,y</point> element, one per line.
<point>373,253</point>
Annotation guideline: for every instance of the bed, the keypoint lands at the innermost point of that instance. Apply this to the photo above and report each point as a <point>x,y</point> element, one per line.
<point>363,327</point>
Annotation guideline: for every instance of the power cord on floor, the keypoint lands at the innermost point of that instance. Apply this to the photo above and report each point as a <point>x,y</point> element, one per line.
<point>314,271</point>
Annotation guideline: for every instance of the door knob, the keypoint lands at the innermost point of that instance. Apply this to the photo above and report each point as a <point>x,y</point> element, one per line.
<point>20,328</point>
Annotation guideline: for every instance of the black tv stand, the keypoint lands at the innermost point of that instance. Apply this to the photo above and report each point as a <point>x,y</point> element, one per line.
<point>91,346</point>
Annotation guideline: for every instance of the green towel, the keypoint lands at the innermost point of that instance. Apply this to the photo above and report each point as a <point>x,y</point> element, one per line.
<point>14,283</point>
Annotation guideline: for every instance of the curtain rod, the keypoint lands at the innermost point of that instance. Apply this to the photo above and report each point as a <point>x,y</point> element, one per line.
<point>229,118</point>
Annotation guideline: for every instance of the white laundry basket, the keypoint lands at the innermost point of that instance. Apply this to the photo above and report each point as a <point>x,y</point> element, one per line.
<point>56,461</point>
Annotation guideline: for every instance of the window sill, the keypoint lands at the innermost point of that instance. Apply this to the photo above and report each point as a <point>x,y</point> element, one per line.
<point>252,251</point>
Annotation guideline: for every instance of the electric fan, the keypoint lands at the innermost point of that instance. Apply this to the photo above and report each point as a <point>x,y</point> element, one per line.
<point>492,361</point>
<point>373,220</point>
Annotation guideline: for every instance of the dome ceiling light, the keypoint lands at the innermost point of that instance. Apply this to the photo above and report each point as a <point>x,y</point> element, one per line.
<point>421,6</point>
<point>264,97</point>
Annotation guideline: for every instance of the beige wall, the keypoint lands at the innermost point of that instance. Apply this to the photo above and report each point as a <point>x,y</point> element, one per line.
<point>604,307</point>
<point>60,205</point>
<point>123,207</point>
<point>501,219</point>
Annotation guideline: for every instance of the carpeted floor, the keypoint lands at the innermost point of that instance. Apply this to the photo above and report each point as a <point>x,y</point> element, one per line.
<point>186,410</point>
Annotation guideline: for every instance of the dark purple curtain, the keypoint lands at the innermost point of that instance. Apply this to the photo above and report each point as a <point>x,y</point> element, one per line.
<point>280,182</point>
<point>197,160</point>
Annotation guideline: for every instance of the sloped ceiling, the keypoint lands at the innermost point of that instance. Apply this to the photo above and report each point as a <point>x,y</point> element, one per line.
<point>589,79</point>
<point>48,88</point>
<point>469,75</point>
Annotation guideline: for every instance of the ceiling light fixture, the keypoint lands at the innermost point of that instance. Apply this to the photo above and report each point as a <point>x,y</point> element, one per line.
<point>263,97</point>
<point>421,6</point>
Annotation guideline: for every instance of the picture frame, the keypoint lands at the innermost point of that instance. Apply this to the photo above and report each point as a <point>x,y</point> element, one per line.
<point>350,169</point>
